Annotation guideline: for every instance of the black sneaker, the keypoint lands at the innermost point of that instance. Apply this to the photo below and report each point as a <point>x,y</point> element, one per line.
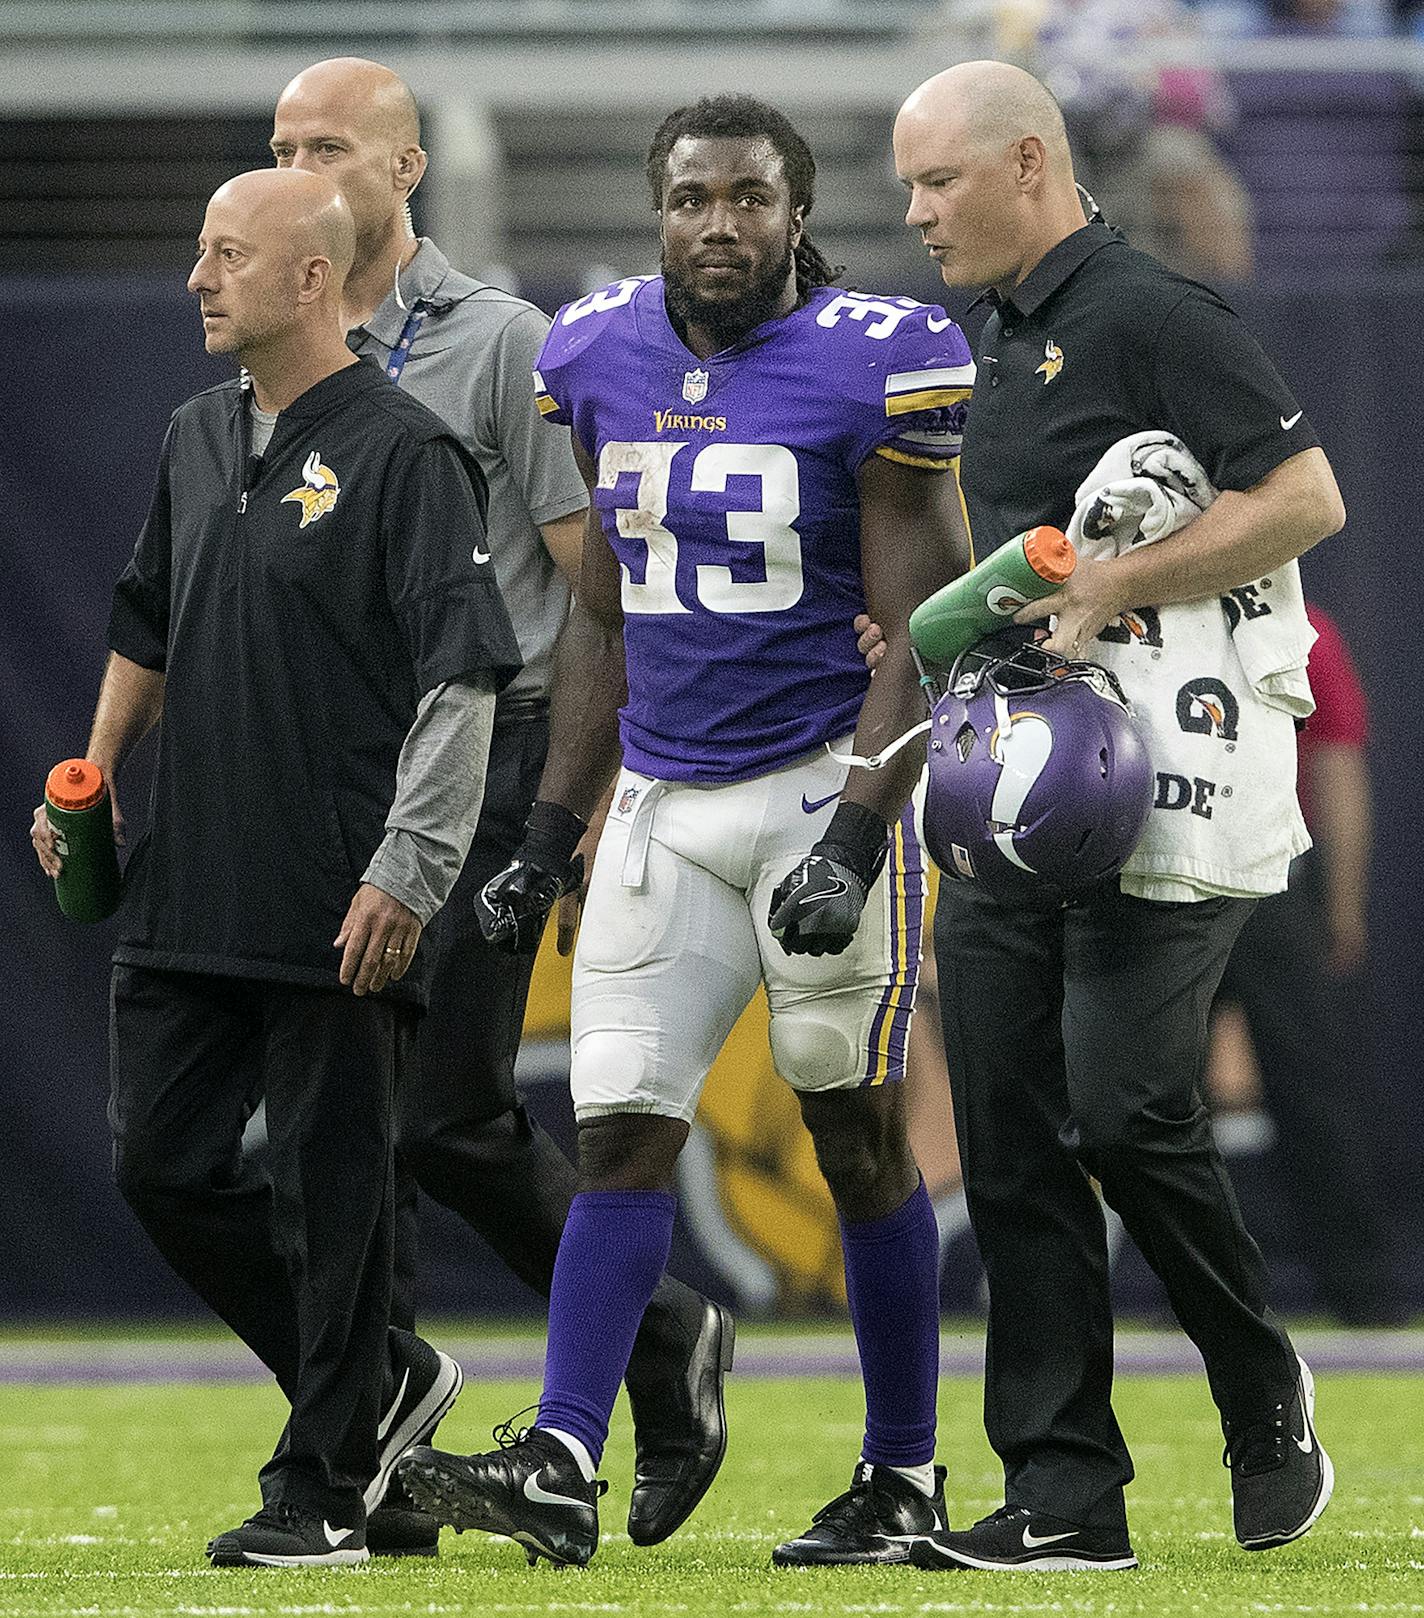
<point>875,1520</point>
<point>679,1422</point>
<point>396,1528</point>
<point>1015,1536</point>
<point>427,1384</point>
<point>1281,1479</point>
<point>281,1535</point>
<point>530,1489</point>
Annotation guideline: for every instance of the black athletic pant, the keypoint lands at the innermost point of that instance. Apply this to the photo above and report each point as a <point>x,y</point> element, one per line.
<point>464,1136</point>
<point>295,1255</point>
<point>1076,1043</point>
<point>1305,1025</point>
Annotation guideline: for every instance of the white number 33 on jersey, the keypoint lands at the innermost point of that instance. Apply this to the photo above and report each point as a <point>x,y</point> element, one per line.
<point>770,526</point>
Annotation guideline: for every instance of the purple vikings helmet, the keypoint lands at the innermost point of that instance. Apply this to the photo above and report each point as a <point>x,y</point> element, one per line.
<point>1039,780</point>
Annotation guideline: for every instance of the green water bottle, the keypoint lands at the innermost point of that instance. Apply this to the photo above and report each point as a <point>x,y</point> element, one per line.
<point>1023,569</point>
<point>77,803</point>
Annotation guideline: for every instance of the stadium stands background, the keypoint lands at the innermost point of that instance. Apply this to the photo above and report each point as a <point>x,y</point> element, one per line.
<point>117,121</point>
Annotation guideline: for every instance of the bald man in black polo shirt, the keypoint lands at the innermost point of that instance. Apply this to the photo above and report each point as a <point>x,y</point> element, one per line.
<point>1076,1038</point>
<point>306,612</point>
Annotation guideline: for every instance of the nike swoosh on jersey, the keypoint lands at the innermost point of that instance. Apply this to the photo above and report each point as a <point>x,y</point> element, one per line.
<point>542,1497</point>
<point>335,1537</point>
<point>820,803</point>
<point>479,557</point>
<point>1287,425</point>
<point>1033,1541</point>
<point>390,1415</point>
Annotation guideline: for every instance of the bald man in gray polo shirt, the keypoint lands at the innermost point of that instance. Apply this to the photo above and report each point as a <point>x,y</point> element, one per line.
<point>466,350</point>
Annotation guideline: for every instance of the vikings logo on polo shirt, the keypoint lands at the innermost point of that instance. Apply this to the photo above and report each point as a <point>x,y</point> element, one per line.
<point>318,492</point>
<point>1052,362</point>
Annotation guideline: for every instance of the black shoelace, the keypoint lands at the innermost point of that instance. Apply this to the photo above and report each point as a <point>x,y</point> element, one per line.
<point>1261,1447</point>
<point>854,1509</point>
<point>507,1435</point>
<point>275,1514</point>
<point>1004,1514</point>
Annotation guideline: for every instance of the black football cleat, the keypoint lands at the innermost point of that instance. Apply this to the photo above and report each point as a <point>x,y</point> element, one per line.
<point>1281,1479</point>
<point>679,1426</point>
<point>1016,1537</point>
<point>529,1490</point>
<point>427,1384</point>
<point>875,1520</point>
<point>281,1535</point>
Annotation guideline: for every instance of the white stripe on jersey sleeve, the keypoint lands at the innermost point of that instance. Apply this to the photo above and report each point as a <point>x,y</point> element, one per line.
<point>947,376</point>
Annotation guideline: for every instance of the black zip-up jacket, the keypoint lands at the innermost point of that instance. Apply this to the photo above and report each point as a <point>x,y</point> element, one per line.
<point>299,606</point>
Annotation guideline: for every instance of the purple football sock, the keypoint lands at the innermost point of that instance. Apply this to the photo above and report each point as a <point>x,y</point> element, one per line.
<point>611,1256</point>
<point>892,1284</point>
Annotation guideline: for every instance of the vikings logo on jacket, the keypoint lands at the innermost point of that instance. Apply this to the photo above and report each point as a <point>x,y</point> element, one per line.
<point>318,492</point>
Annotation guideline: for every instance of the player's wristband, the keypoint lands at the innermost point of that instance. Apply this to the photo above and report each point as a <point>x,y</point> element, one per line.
<point>859,838</point>
<point>551,834</point>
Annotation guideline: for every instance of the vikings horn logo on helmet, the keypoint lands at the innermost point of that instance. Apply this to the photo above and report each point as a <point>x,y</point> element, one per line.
<point>1021,745</point>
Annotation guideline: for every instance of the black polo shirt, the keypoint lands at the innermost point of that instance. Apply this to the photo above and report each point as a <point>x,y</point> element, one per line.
<point>299,606</point>
<point>1097,342</point>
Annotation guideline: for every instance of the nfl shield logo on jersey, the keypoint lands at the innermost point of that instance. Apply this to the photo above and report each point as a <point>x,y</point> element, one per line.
<point>694,387</point>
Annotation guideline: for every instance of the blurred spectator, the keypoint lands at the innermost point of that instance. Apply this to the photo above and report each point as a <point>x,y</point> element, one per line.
<point>1336,19</point>
<point>1324,149</point>
<point>1296,975</point>
<point>1143,136</point>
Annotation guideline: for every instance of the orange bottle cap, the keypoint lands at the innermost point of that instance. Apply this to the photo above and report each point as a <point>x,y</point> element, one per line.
<point>75,784</point>
<point>1049,552</point>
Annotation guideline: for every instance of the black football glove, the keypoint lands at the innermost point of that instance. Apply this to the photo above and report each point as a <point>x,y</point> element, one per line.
<point>816,909</point>
<point>515,903</point>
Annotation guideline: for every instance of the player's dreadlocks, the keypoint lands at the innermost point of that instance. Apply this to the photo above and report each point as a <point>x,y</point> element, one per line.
<point>739,117</point>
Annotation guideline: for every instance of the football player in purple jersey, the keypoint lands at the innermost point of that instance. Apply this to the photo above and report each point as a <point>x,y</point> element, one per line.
<point>767,457</point>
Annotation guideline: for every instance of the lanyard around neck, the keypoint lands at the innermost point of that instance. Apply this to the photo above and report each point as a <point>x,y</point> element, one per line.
<point>401,352</point>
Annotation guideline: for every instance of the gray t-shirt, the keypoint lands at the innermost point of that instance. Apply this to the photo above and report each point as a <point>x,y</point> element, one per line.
<point>471,362</point>
<point>264,424</point>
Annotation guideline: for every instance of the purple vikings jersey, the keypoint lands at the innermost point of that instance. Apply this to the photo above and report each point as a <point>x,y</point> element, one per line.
<point>727,489</point>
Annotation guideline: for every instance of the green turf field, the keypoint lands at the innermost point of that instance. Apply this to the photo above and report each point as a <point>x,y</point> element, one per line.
<point>108,1494</point>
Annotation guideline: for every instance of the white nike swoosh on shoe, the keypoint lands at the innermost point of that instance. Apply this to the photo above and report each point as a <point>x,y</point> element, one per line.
<point>1033,1541</point>
<point>419,1422</point>
<point>335,1537</point>
<point>542,1497</point>
<point>1287,425</point>
<point>1307,1403</point>
<point>390,1415</point>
